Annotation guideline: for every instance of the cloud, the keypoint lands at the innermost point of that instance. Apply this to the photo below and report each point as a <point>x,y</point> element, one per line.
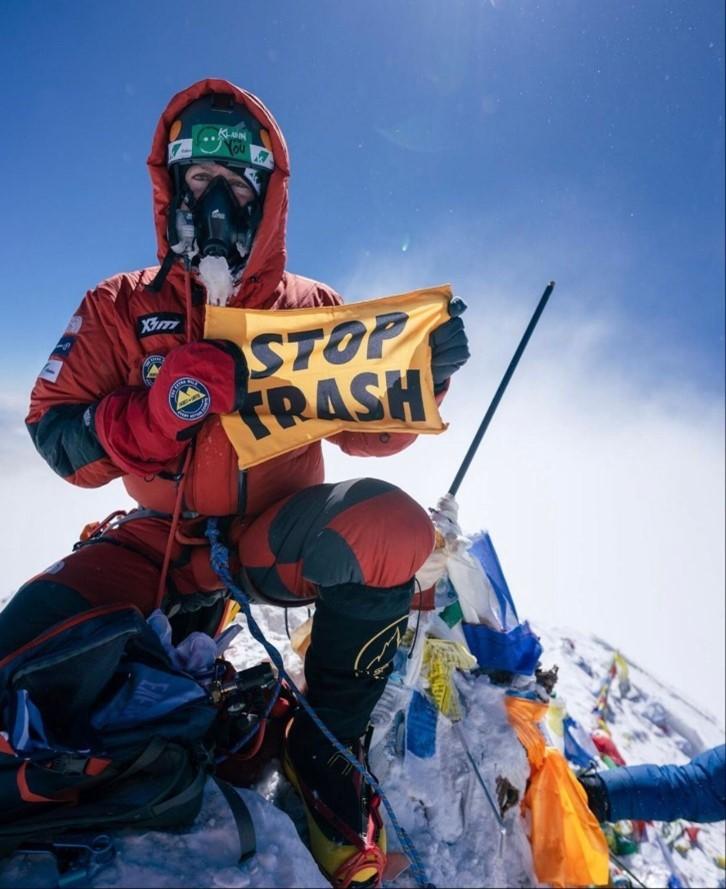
<point>602,488</point>
<point>42,515</point>
<point>13,434</point>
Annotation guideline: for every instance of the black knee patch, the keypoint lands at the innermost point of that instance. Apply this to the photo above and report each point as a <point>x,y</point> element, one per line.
<point>35,608</point>
<point>329,561</point>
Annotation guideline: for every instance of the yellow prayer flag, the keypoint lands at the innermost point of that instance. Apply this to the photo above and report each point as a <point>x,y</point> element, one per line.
<point>441,657</point>
<point>313,372</point>
<point>556,716</point>
<point>443,690</point>
<point>622,665</point>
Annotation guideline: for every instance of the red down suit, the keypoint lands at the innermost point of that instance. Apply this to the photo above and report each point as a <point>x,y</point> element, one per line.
<point>294,534</point>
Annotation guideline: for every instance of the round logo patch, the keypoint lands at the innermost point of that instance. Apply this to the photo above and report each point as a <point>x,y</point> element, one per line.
<point>150,369</point>
<point>189,399</point>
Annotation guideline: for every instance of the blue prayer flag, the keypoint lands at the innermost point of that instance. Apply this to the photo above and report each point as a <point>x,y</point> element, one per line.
<point>517,651</point>
<point>482,549</point>
<point>421,726</point>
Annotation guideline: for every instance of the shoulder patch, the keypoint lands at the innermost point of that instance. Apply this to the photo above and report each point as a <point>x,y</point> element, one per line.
<point>63,347</point>
<point>51,370</point>
<point>74,325</point>
<point>150,369</point>
<point>159,323</point>
<point>55,568</point>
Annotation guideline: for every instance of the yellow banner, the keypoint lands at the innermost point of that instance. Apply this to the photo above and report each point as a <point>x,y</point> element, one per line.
<point>314,372</point>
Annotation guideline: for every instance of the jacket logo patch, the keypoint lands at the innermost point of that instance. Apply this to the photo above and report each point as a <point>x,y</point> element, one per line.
<point>159,322</point>
<point>55,568</point>
<point>189,399</point>
<point>51,370</point>
<point>150,369</point>
<point>74,325</point>
<point>63,347</point>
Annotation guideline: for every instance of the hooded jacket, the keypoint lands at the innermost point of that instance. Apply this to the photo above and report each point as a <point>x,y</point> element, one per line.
<point>123,329</point>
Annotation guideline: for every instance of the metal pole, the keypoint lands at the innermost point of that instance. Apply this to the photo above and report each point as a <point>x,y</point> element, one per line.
<point>500,391</point>
<point>482,784</point>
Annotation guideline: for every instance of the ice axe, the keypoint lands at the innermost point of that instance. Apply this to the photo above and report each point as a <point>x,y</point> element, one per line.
<point>476,441</point>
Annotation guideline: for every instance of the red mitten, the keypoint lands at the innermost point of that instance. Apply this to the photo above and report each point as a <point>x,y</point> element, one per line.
<point>141,430</point>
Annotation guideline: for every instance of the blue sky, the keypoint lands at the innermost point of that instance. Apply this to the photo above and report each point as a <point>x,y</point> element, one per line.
<point>494,144</point>
<point>591,132</point>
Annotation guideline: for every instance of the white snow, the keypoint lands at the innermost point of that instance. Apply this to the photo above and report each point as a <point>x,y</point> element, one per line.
<point>438,800</point>
<point>639,740</point>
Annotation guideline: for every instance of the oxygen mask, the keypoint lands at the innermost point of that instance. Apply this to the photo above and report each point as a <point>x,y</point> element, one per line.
<point>221,226</point>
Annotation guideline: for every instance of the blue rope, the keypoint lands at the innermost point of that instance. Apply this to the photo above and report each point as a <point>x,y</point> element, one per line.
<point>219,558</point>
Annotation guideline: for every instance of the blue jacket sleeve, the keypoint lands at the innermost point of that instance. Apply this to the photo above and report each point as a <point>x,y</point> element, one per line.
<point>694,792</point>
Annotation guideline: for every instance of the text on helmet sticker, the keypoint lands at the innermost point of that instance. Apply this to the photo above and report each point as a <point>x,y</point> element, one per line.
<point>179,150</point>
<point>261,156</point>
<point>228,143</point>
<point>253,177</point>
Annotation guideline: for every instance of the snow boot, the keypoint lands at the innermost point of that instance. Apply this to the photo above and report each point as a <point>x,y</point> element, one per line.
<point>356,632</point>
<point>347,836</point>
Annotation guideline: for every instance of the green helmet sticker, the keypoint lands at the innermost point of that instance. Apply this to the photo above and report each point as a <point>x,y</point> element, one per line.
<point>212,142</point>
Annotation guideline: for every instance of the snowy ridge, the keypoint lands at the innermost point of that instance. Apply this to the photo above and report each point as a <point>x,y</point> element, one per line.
<point>438,800</point>
<point>649,723</point>
<point>649,678</point>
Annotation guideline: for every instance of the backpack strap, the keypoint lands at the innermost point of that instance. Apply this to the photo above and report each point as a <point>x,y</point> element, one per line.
<point>180,799</point>
<point>149,754</point>
<point>242,817</point>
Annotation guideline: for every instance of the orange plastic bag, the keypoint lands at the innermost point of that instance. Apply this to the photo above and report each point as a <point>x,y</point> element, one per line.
<point>568,847</point>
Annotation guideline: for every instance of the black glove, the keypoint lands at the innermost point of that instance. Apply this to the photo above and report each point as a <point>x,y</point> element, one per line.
<point>449,346</point>
<point>597,795</point>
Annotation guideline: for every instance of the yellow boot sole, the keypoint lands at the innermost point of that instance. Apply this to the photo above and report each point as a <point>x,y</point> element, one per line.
<point>335,860</point>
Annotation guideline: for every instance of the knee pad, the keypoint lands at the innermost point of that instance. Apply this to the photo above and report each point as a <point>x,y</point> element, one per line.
<point>380,542</point>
